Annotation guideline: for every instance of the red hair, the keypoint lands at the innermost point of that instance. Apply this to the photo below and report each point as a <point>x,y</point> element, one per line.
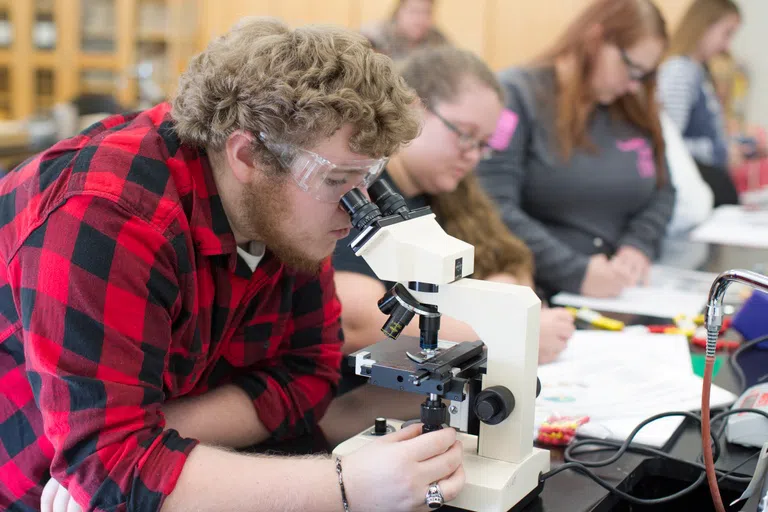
<point>623,23</point>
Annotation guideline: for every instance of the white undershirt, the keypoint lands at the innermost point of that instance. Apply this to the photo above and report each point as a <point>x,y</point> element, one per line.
<point>253,255</point>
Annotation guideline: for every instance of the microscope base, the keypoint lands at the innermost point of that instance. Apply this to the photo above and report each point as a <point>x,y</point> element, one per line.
<point>491,485</point>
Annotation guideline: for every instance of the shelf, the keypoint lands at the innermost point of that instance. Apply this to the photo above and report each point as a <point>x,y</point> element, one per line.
<point>43,6</point>
<point>97,61</point>
<point>99,44</point>
<point>46,101</point>
<point>153,37</point>
<point>42,59</point>
<point>98,35</point>
<point>97,88</point>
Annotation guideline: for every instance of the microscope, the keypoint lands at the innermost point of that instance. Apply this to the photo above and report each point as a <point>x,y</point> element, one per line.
<point>484,388</point>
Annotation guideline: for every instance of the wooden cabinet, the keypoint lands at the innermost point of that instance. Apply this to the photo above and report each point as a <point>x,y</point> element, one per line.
<point>59,49</point>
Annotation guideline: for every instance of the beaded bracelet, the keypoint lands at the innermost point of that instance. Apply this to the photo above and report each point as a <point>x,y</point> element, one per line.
<point>341,485</point>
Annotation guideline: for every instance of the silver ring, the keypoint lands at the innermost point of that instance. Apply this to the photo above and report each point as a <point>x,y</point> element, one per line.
<point>434,496</point>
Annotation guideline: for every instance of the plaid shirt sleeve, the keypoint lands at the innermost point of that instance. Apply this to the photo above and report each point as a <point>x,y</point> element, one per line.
<point>292,389</point>
<point>97,372</point>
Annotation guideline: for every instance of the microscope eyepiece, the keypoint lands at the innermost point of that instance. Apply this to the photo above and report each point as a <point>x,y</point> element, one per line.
<point>384,202</point>
<point>361,210</point>
<point>385,197</point>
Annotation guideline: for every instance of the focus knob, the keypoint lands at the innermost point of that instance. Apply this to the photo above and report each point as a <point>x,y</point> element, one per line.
<point>494,404</point>
<point>380,427</point>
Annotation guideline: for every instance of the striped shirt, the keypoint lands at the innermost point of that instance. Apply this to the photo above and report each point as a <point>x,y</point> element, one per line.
<point>689,98</point>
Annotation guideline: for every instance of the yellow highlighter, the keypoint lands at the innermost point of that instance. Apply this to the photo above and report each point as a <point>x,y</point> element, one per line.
<point>595,319</point>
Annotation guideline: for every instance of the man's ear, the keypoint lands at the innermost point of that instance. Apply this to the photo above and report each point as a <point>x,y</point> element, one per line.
<point>240,157</point>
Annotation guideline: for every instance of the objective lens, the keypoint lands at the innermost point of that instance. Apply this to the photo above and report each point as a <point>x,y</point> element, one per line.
<point>400,317</point>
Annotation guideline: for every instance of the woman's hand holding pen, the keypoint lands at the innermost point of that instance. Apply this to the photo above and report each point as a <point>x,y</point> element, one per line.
<point>603,279</point>
<point>633,265</point>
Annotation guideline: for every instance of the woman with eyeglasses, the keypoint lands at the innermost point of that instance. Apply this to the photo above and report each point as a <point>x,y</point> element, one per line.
<point>583,181</point>
<point>686,89</point>
<point>462,105</point>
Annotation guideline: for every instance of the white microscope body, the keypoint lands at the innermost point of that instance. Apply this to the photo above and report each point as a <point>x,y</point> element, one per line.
<point>502,466</point>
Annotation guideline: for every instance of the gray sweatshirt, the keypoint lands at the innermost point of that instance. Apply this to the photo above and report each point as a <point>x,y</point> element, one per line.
<point>567,211</point>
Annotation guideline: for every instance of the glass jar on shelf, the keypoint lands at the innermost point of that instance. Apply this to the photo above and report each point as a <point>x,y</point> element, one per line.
<point>44,32</point>
<point>6,30</point>
<point>98,24</point>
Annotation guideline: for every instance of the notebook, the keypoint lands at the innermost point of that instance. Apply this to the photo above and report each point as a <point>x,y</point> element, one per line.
<point>620,378</point>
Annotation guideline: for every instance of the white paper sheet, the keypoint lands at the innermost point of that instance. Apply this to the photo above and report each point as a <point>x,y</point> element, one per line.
<point>618,380</point>
<point>670,292</point>
<point>733,225</point>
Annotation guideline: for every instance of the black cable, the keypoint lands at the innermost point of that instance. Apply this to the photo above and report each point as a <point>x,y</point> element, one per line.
<point>737,466</point>
<point>613,490</point>
<point>733,359</point>
<point>583,467</point>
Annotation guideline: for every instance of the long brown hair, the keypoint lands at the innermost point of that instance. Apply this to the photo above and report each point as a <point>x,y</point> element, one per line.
<point>437,74</point>
<point>701,15</point>
<point>470,215</point>
<point>623,23</point>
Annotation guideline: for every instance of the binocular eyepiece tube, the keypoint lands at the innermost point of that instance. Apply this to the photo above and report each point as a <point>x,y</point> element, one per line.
<point>384,202</point>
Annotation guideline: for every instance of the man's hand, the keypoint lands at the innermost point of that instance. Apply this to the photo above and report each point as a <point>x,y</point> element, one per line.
<point>406,463</point>
<point>557,327</point>
<point>603,279</point>
<point>632,264</point>
<point>56,498</point>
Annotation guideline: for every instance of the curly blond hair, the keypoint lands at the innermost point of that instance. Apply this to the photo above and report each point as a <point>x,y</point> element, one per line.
<point>297,86</point>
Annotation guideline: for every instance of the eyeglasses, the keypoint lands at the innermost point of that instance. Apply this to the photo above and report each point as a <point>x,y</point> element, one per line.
<point>636,72</point>
<point>321,178</point>
<point>466,141</point>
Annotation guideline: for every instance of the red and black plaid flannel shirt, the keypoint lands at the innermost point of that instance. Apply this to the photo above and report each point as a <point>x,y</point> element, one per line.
<point>120,289</point>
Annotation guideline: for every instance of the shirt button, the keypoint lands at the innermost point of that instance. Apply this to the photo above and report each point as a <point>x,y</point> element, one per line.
<point>598,242</point>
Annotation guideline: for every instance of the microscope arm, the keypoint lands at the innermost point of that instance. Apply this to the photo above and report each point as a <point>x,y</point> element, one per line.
<point>506,317</point>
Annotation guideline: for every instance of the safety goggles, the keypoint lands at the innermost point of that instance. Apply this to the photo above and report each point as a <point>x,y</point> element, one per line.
<point>320,178</point>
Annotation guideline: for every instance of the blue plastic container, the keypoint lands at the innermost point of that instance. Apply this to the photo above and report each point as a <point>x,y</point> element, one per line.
<point>751,321</point>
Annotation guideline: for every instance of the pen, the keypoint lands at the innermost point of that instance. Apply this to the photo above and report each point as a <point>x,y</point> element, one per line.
<point>595,319</point>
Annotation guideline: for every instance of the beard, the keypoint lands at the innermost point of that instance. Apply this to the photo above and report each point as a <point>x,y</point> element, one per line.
<point>265,209</point>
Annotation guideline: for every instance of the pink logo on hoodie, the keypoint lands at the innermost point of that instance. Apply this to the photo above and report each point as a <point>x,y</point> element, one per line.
<point>505,129</point>
<point>646,167</point>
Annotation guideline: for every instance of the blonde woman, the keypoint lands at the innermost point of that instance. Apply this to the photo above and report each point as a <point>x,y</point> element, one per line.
<point>462,102</point>
<point>687,92</point>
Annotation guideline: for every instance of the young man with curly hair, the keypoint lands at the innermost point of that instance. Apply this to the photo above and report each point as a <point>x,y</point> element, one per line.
<point>167,296</point>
